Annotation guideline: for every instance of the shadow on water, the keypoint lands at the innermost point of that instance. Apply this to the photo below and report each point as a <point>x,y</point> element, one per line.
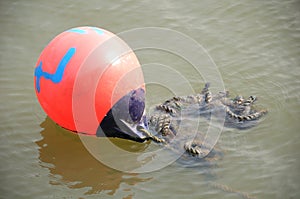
<point>71,164</point>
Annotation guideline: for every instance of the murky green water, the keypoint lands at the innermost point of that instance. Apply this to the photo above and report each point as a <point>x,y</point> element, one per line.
<point>256,46</point>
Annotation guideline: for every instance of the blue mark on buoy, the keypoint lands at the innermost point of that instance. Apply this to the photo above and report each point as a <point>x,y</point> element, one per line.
<point>77,30</point>
<point>81,31</point>
<point>98,30</point>
<point>58,75</point>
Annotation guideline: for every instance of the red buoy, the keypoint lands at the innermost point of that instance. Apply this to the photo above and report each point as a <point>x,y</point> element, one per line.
<point>81,74</point>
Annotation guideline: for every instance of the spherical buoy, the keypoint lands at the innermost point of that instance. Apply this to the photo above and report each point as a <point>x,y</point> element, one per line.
<point>82,74</point>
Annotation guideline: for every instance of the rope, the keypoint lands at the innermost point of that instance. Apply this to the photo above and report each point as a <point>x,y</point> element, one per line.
<point>250,117</point>
<point>195,148</point>
<point>231,190</point>
<point>200,149</point>
<point>151,136</point>
<point>191,147</point>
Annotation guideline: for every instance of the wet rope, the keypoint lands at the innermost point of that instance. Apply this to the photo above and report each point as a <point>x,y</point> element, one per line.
<point>200,149</point>
<point>194,148</point>
<point>249,117</point>
<point>151,136</point>
<point>231,190</point>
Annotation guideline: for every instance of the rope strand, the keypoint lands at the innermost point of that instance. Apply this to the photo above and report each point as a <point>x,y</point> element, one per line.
<point>231,190</point>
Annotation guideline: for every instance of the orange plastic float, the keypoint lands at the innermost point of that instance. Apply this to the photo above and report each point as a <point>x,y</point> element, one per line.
<point>82,74</point>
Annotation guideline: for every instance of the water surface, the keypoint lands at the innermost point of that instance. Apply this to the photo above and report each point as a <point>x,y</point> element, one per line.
<point>255,45</point>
